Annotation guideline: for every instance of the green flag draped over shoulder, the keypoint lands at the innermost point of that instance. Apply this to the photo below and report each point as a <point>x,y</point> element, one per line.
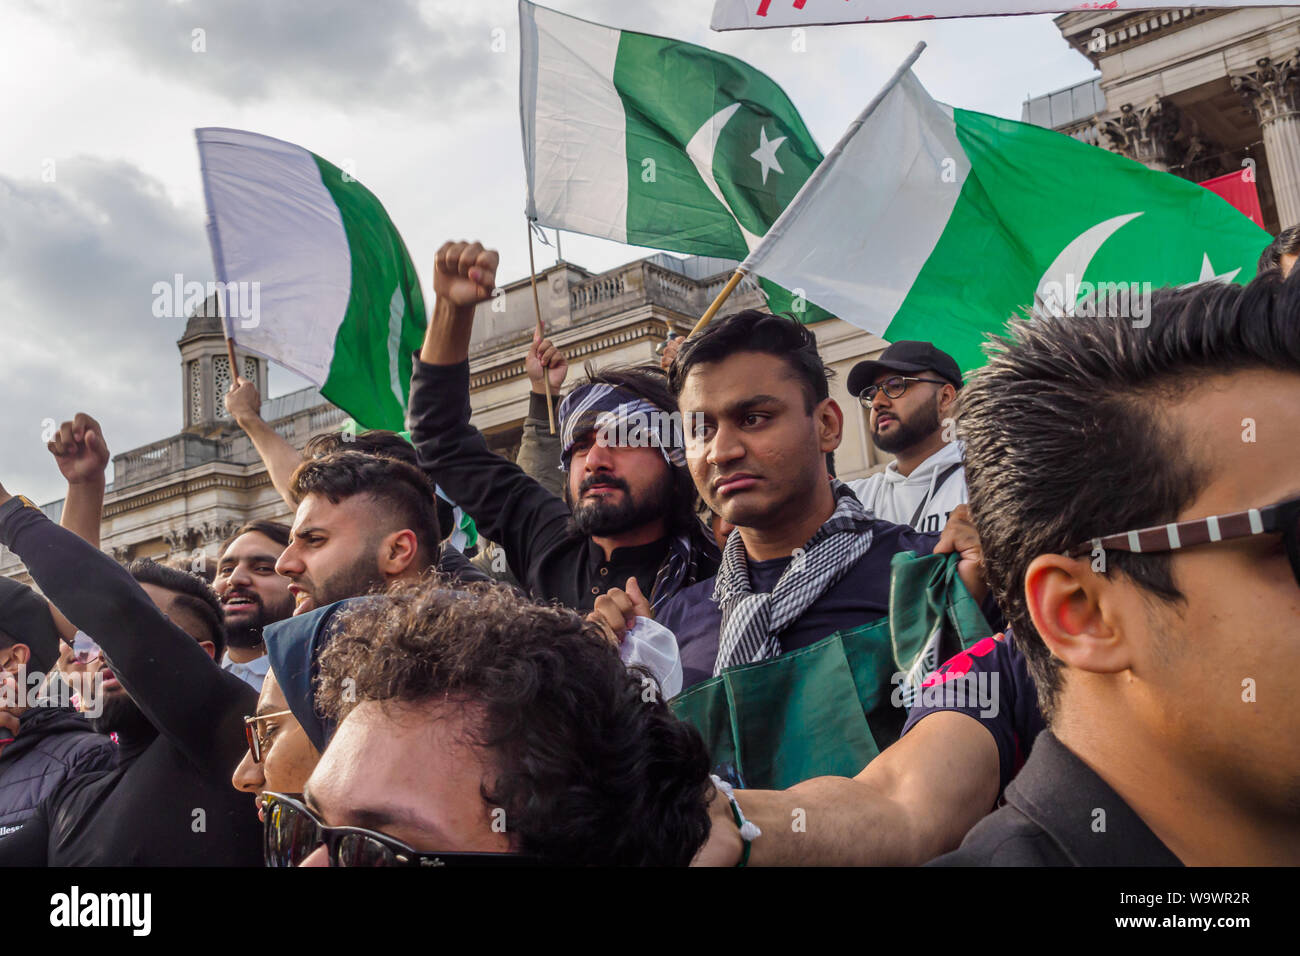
<point>829,708</point>
<point>340,302</point>
<point>655,142</point>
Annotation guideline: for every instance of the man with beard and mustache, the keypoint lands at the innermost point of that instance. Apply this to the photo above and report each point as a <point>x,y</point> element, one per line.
<point>363,522</point>
<point>909,393</point>
<point>252,596</point>
<point>628,508</point>
<point>154,682</point>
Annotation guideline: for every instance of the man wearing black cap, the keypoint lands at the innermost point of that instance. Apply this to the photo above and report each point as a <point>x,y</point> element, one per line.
<point>44,741</point>
<point>908,393</point>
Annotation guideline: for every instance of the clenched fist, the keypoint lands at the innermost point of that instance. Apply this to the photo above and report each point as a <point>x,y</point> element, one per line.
<point>243,401</point>
<point>464,273</point>
<point>78,447</point>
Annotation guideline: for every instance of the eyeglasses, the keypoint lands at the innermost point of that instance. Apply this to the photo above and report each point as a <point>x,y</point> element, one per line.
<point>1282,518</point>
<point>84,648</point>
<point>256,742</point>
<point>291,833</point>
<point>894,387</point>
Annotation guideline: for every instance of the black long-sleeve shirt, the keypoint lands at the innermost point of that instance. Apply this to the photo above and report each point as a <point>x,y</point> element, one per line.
<point>545,552</point>
<point>169,802</point>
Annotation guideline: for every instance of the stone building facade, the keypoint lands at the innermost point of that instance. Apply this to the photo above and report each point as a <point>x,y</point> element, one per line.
<point>179,497</point>
<point>1193,91</point>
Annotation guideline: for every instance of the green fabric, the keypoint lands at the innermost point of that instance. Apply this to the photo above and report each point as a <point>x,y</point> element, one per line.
<point>670,91</point>
<point>1031,194</point>
<point>931,614</point>
<point>807,713</point>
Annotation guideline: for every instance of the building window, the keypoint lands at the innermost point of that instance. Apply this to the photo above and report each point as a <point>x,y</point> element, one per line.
<point>220,384</point>
<point>250,369</point>
<point>196,392</point>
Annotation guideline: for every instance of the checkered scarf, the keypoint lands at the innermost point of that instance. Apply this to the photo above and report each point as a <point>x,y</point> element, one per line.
<point>752,623</point>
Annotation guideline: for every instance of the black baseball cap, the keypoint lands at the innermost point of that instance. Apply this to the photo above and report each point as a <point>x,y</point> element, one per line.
<point>905,356</point>
<point>25,617</point>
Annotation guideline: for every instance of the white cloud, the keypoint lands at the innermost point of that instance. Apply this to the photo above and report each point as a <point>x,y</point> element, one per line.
<point>413,93</point>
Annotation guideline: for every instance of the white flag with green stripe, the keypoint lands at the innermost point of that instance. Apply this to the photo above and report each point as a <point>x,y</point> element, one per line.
<point>655,142</point>
<point>340,301</point>
<point>938,224</point>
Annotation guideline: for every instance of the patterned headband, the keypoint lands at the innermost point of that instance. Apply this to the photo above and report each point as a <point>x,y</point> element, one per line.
<point>621,418</point>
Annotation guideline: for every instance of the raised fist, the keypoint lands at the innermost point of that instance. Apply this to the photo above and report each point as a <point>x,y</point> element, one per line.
<point>464,273</point>
<point>78,447</point>
<point>242,401</point>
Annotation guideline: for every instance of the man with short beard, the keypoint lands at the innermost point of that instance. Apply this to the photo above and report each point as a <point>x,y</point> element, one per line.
<point>252,596</point>
<point>628,510</point>
<point>363,522</point>
<point>908,394</point>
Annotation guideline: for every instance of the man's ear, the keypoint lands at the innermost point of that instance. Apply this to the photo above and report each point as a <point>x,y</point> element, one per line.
<point>211,648</point>
<point>830,424</point>
<point>397,552</point>
<point>1072,610</point>
<point>19,655</point>
<point>947,398</point>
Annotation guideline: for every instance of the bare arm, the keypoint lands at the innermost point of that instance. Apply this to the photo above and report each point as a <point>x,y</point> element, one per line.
<point>913,802</point>
<point>245,406</point>
<point>79,449</point>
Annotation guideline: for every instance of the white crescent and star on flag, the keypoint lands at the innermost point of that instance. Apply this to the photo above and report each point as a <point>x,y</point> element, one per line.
<point>1067,269</point>
<point>703,147</point>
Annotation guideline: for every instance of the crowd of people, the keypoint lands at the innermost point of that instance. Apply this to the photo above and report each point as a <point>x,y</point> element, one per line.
<point>1052,631</point>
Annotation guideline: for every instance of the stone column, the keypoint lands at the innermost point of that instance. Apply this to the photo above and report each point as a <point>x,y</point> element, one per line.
<point>1272,91</point>
<point>1148,133</point>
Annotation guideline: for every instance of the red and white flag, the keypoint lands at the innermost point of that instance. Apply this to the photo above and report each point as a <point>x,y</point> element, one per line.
<point>756,14</point>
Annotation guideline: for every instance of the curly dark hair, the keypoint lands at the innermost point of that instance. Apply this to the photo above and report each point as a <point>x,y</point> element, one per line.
<point>592,766</point>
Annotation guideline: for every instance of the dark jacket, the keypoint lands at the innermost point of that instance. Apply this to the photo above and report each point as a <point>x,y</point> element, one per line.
<point>1060,813</point>
<point>168,800</point>
<point>53,744</point>
<point>547,555</point>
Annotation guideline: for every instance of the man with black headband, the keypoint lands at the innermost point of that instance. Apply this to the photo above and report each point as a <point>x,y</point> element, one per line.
<point>628,510</point>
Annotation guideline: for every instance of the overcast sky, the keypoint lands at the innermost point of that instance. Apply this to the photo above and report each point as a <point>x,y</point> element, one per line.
<point>100,194</point>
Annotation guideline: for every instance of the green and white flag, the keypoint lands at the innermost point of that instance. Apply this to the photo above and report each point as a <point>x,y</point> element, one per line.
<point>655,142</point>
<point>934,223</point>
<point>340,301</point>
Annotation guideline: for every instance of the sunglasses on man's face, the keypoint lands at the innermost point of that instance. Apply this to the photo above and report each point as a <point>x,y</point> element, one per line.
<point>291,833</point>
<point>1282,518</point>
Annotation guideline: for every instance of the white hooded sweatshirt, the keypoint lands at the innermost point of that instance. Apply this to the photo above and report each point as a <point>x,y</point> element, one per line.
<point>892,497</point>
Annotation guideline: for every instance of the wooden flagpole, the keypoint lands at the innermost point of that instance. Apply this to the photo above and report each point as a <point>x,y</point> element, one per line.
<point>541,330</point>
<point>722,296</point>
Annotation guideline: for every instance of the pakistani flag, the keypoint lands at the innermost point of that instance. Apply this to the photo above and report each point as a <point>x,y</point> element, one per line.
<point>933,223</point>
<point>340,302</point>
<point>655,142</point>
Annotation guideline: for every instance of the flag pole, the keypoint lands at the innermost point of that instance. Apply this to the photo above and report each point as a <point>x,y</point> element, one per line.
<point>722,296</point>
<point>230,341</point>
<point>541,330</point>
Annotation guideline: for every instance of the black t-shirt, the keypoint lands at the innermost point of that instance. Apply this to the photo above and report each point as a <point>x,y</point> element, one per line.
<point>1014,721</point>
<point>169,802</point>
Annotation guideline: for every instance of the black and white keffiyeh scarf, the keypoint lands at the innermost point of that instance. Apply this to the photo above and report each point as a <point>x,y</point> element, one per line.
<point>752,623</point>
